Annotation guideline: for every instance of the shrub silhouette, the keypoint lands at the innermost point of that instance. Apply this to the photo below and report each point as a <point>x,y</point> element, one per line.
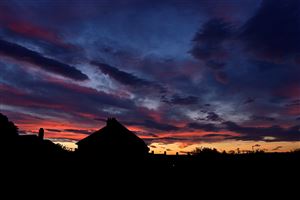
<point>205,151</point>
<point>296,151</point>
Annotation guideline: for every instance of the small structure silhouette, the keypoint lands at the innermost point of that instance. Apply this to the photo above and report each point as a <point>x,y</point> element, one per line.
<point>113,141</point>
<point>41,133</point>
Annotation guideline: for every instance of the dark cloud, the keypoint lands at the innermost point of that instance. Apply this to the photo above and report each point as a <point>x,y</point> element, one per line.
<point>152,135</point>
<point>79,131</point>
<point>151,124</point>
<point>293,103</point>
<point>276,133</point>
<point>249,100</point>
<point>221,77</point>
<point>100,119</point>
<point>179,100</point>
<point>159,126</point>
<point>143,133</point>
<point>216,65</point>
<point>262,118</point>
<point>209,46</point>
<point>274,31</point>
<point>277,148</point>
<point>208,41</point>
<point>217,135</point>
<point>204,127</point>
<point>212,116</point>
<point>170,139</point>
<point>21,53</point>
<point>127,78</point>
<point>53,130</point>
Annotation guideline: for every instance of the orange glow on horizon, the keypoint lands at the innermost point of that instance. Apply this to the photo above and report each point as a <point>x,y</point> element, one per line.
<point>228,146</point>
<point>58,131</point>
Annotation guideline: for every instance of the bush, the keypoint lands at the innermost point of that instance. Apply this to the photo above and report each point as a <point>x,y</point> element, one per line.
<point>205,151</point>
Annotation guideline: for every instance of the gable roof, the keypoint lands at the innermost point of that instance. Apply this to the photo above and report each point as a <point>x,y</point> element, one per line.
<point>113,135</point>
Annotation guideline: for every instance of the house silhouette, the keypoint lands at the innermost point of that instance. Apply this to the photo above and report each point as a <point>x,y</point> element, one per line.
<point>113,141</point>
<point>13,144</point>
<point>35,145</point>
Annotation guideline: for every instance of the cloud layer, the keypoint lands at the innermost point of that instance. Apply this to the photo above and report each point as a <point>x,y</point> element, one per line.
<point>187,72</point>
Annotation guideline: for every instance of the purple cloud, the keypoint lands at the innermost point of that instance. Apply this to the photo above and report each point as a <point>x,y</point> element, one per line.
<point>21,53</point>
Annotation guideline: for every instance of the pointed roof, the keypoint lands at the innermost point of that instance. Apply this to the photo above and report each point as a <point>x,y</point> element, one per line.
<point>113,135</point>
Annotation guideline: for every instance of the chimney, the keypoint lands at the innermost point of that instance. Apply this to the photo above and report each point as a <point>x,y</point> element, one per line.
<point>41,134</point>
<point>110,121</point>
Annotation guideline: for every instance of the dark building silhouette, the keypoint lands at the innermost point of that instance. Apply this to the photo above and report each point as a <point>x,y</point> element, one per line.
<point>29,141</point>
<point>24,146</point>
<point>32,144</point>
<point>113,140</point>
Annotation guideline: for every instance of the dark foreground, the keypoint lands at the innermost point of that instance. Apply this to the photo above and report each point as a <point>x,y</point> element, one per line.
<point>68,164</point>
<point>72,175</point>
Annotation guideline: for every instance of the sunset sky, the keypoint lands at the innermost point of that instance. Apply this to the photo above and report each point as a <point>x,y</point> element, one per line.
<point>179,73</point>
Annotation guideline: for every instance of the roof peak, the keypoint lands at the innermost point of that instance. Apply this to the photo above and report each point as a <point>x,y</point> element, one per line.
<point>111,121</point>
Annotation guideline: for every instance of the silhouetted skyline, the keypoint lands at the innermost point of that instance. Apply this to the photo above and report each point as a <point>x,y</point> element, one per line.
<point>179,74</point>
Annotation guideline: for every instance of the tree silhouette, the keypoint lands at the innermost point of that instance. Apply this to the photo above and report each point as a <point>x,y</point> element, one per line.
<point>297,151</point>
<point>205,151</point>
<point>8,129</point>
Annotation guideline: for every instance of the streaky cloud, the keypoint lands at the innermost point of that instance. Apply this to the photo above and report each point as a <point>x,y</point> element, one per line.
<point>21,53</point>
<point>127,78</point>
